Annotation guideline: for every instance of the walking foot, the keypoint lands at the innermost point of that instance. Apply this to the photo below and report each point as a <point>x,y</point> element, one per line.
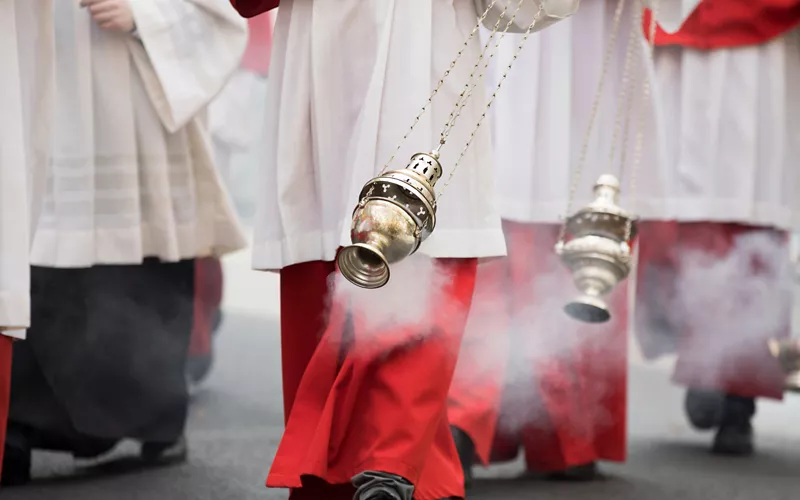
<point>376,485</point>
<point>466,453</point>
<point>16,459</point>
<point>704,408</point>
<point>734,440</point>
<point>578,473</point>
<point>735,434</point>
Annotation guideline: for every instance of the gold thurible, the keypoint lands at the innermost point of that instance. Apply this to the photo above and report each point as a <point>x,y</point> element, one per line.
<point>396,212</point>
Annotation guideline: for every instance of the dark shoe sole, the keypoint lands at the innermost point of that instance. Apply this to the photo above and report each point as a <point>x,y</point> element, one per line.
<point>16,467</point>
<point>159,454</point>
<point>466,453</point>
<point>579,473</point>
<point>733,443</point>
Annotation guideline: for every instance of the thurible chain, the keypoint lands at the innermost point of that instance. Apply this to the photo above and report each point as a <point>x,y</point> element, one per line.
<point>624,99</point>
<point>646,91</point>
<point>576,174</point>
<point>493,97</point>
<point>471,83</point>
<point>440,83</point>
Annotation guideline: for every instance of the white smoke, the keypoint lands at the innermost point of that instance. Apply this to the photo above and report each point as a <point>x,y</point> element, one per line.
<point>519,338</point>
<point>732,305</point>
<point>556,371</point>
<point>553,370</point>
<point>403,308</point>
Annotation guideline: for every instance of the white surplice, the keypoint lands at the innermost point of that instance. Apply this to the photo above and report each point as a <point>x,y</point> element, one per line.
<point>26,64</point>
<point>721,129</point>
<point>730,132</point>
<point>347,79</point>
<point>132,173</point>
<point>541,117</point>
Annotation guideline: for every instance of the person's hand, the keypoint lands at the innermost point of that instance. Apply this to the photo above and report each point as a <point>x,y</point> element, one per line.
<point>113,15</point>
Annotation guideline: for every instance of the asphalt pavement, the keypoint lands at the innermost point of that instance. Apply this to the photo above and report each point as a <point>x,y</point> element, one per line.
<point>236,422</point>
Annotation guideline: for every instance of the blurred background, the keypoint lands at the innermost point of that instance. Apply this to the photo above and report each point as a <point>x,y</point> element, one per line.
<point>236,414</point>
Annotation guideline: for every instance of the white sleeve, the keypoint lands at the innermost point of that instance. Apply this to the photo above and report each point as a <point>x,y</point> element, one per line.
<point>185,51</point>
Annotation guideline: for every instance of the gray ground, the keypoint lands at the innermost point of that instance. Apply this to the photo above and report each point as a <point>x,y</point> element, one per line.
<point>236,424</point>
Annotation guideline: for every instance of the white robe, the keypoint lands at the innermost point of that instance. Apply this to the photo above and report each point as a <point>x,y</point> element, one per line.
<point>132,174</point>
<point>347,79</point>
<point>721,127</point>
<point>26,45</point>
<point>730,133</point>
<point>541,118</point>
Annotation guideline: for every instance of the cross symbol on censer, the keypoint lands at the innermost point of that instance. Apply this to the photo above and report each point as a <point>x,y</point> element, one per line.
<point>421,212</point>
<point>385,187</point>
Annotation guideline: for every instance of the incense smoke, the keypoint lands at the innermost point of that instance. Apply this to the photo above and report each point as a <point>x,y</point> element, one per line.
<point>731,305</point>
<point>557,371</point>
<point>550,371</point>
<point>403,308</point>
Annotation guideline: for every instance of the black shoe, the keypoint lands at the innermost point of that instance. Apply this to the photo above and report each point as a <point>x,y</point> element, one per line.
<point>578,473</point>
<point>466,453</point>
<point>16,459</point>
<point>376,485</point>
<point>735,434</point>
<point>90,448</point>
<point>704,408</point>
<point>154,453</point>
<point>734,440</point>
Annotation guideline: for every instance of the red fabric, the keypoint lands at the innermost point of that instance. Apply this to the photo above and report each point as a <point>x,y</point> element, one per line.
<point>655,321</point>
<point>304,317</point>
<point>474,397</point>
<point>567,409</point>
<point>717,24</point>
<point>381,407</point>
<point>208,285</point>
<point>252,8</point>
<point>259,45</point>
<point>6,347</point>
<point>708,359</point>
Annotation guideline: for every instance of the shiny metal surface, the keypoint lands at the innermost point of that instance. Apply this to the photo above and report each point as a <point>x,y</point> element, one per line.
<point>596,251</point>
<point>396,212</point>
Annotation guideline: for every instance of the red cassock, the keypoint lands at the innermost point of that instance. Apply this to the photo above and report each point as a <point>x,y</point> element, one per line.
<point>563,401</point>
<point>715,24</point>
<point>355,403</point>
